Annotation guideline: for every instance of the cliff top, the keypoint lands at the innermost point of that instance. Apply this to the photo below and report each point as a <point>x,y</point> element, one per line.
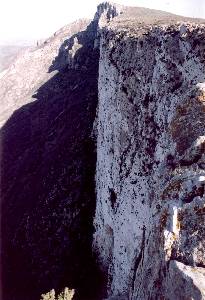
<point>134,18</point>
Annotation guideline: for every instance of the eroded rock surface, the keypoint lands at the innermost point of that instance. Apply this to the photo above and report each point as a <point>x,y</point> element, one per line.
<point>150,215</point>
<point>150,170</point>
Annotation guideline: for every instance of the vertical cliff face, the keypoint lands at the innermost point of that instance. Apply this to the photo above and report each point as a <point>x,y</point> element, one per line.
<point>150,214</point>
<point>148,80</point>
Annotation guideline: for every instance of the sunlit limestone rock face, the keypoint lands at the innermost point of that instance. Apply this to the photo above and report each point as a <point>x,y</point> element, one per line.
<point>145,189</point>
<point>150,174</point>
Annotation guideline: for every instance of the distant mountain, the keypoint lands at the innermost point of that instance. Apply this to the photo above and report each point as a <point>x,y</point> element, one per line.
<point>8,54</point>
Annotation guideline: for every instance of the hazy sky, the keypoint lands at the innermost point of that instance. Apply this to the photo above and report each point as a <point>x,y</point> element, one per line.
<point>35,19</point>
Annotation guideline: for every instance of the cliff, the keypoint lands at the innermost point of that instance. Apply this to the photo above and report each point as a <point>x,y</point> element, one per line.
<point>150,215</point>
<point>102,160</point>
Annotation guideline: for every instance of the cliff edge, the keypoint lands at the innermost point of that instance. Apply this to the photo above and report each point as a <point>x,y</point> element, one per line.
<point>102,160</point>
<point>150,177</point>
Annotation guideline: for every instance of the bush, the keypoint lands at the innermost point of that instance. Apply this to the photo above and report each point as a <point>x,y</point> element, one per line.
<point>66,294</point>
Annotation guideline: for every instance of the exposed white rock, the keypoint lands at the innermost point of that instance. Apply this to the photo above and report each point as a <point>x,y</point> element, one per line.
<point>190,282</point>
<point>150,163</point>
<point>150,174</point>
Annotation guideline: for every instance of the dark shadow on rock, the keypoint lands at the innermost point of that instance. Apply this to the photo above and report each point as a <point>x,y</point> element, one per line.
<point>74,51</point>
<point>47,181</point>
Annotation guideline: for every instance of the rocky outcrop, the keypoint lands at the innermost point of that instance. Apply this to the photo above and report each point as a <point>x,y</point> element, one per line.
<point>147,79</point>
<point>22,80</point>
<point>150,214</point>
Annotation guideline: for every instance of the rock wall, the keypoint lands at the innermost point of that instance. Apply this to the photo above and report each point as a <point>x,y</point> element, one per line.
<point>150,170</point>
<point>150,174</point>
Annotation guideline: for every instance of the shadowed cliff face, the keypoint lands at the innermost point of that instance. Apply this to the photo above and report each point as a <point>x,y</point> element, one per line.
<point>47,179</point>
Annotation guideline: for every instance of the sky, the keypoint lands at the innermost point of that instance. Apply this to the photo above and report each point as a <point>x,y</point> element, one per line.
<point>30,20</point>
